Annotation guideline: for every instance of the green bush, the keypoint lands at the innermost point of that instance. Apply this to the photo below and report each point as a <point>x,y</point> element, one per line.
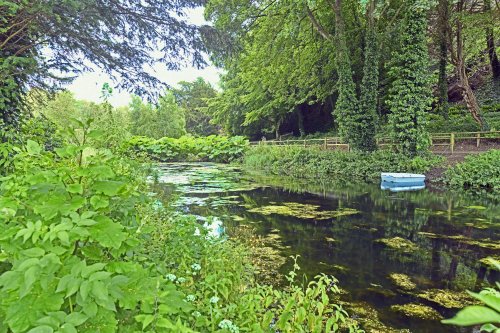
<point>460,120</point>
<point>314,163</point>
<point>84,249</point>
<point>187,148</point>
<point>478,173</point>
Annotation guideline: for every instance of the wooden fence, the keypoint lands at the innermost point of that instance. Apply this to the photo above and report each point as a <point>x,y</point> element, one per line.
<point>441,142</point>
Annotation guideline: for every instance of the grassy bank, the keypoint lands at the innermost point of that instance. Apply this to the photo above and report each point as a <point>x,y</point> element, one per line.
<point>316,163</point>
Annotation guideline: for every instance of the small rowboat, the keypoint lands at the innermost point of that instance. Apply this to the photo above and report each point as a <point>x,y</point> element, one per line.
<point>403,179</point>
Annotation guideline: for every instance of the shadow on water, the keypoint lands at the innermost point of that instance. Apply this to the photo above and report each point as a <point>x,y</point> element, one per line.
<point>371,240</point>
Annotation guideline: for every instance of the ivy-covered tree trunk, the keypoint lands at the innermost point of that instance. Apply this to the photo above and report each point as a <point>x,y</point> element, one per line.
<point>347,106</point>
<point>369,86</point>
<point>410,94</point>
<point>443,57</point>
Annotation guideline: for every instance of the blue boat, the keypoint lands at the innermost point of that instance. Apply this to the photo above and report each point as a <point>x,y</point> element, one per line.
<point>393,187</point>
<point>403,179</point>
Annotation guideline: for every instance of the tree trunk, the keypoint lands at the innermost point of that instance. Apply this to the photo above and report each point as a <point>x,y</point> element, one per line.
<point>443,57</point>
<point>490,43</point>
<point>300,116</point>
<point>467,93</point>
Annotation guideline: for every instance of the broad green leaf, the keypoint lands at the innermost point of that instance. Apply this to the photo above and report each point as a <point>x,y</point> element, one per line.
<point>41,329</point>
<point>33,148</point>
<point>107,232</point>
<point>488,299</point>
<point>108,187</point>
<point>474,315</point>
<point>98,201</point>
<point>75,188</point>
<point>76,318</point>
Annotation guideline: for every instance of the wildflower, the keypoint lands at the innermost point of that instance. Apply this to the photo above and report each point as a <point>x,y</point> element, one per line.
<point>181,280</point>
<point>214,299</point>
<point>171,277</point>
<point>195,267</point>
<point>190,298</point>
<point>196,314</point>
<point>228,324</point>
<point>197,232</point>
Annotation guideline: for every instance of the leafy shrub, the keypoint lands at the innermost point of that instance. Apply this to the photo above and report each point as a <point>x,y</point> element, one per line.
<point>460,120</point>
<point>478,173</point>
<point>211,148</point>
<point>313,163</point>
<point>83,249</point>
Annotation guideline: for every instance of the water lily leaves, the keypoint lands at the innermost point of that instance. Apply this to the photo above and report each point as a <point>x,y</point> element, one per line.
<point>416,310</point>
<point>398,243</point>
<point>303,211</point>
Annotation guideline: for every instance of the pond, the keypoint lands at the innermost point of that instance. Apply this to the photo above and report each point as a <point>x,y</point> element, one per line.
<point>403,260</point>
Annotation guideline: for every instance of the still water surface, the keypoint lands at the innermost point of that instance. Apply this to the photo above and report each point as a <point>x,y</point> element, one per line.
<point>347,231</point>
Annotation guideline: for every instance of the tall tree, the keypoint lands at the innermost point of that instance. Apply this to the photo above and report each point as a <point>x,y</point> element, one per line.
<point>39,39</point>
<point>193,97</point>
<point>410,93</point>
<point>459,61</point>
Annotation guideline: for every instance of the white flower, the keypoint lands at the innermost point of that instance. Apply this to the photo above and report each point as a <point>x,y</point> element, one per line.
<point>228,324</point>
<point>195,267</point>
<point>196,314</point>
<point>190,298</point>
<point>197,232</point>
<point>214,299</point>
<point>181,280</point>
<point>171,277</point>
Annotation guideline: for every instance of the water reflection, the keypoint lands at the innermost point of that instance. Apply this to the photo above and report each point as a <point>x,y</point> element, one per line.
<point>436,239</point>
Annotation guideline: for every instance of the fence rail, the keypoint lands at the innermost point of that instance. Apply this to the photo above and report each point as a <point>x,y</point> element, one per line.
<point>446,141</point>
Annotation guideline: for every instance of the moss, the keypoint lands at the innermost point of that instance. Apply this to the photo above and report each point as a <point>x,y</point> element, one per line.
<point>303,211</point>
<point>448,298</point>
<point>369,319</point>
<point>398,243</point>
<point>414,310</point>
<point>402,281</point>
<point>485,244</point>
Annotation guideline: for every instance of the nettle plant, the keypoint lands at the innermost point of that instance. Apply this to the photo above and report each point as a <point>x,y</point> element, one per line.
<point>69,245</point>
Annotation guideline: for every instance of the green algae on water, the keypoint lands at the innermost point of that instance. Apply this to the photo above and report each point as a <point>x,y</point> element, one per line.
<point>491,262</point>
<point>485,244</point>
<point>448,298</point>
<point>402,281</point>
<point>398,243</point>
<point>303,211</point>
<point>415,310</point>
<point>369,319</point>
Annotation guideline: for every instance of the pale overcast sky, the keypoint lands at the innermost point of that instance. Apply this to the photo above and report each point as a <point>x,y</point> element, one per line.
<point>88,85</point>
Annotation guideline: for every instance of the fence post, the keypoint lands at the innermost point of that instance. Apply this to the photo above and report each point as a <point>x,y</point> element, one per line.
<point>452,142</point>
<point>304,143</point>
<point>478,139</point>
<point>326,143</point>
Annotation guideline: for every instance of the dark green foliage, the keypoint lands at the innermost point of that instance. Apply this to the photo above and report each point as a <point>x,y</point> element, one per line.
<point>192,98</point>
<point>165,119</point>
<point>478,173</point>
<point>211,148</point>
<point>460,120</point>
<point>410,93</point>
<point>314,163</point>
